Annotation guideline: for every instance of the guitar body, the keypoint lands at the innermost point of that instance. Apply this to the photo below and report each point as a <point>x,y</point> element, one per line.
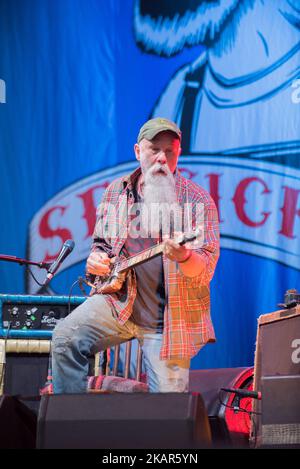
<point>112,282</point>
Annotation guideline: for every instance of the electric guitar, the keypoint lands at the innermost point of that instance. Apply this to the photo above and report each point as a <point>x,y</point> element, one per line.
<point>119,267</point>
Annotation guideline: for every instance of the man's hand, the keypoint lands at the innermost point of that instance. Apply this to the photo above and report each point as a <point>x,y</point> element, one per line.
<point>175,252</point>
<point>98,263</point>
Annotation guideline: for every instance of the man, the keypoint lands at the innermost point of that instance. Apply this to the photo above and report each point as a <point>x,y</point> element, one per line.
<point>164,302</point>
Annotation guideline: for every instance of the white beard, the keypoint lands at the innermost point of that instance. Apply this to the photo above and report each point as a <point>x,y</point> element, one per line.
<point>160,209</point>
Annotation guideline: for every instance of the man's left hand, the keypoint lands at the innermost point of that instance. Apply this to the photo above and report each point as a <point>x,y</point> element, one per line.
<point>175,252</point>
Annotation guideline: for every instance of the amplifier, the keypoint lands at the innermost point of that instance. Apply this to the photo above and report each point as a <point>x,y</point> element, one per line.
<point>26,326</point>
<point>33,316</point>
<point>277,376</point>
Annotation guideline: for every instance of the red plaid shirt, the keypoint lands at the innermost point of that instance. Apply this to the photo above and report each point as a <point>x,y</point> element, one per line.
<point>187,322</point>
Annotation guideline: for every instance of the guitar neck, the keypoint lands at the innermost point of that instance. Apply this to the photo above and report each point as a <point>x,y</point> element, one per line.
<point>150,253</point>
<point>141,257</point>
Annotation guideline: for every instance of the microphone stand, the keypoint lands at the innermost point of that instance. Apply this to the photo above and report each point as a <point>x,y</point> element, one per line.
<point>18,260</point>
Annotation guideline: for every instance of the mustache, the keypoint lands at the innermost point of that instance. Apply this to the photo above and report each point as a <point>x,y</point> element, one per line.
<point>159,168</point>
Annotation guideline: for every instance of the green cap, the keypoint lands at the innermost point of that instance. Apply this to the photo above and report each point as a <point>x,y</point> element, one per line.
<point>154,126</point>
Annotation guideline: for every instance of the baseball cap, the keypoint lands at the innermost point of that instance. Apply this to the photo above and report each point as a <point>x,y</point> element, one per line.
<point>154,126</point>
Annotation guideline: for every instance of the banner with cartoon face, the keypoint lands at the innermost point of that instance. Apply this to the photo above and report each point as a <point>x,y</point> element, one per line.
<point>78,79</point>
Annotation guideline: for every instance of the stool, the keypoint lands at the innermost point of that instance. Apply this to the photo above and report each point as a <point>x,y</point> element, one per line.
<point>106,381</point>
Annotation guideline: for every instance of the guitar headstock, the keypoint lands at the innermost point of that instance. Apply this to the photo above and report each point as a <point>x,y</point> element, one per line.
<point>194,238</point>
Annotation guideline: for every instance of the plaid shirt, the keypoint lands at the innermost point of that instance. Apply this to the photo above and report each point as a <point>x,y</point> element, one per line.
<point>187,322</point>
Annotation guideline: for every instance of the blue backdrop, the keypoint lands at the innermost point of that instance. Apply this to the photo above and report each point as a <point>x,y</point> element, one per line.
<point>78,79</point>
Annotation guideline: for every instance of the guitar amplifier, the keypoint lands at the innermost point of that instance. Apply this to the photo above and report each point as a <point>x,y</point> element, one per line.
<point>26,326</point>
<point>33,316</point>
<point>277,376</point>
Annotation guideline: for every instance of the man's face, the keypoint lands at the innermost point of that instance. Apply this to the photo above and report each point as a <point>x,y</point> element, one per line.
<point>163,150</point>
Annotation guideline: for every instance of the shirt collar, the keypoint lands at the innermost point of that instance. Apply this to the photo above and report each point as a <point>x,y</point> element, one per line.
<point>130,180</point>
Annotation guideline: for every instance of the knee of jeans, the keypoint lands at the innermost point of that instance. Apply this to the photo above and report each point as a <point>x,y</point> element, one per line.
<point>70,339</point>
<point>62,337</point>
<point>60,340</point>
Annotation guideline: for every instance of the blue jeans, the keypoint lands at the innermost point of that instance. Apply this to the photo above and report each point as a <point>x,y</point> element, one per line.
<point>91,328</point>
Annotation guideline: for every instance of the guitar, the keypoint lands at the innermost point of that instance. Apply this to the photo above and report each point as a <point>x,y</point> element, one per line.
<point>119,267</point>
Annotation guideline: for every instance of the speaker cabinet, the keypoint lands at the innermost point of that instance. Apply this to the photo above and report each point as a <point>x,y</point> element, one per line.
<point>277,376</point>
<point>25,374</point>
<point>24,366</point>
<point>229,428</point>
<point>17,424</point>
<point>166,420</point>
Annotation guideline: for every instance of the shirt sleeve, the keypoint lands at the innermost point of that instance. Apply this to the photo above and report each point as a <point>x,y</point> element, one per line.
<point>209,249</point>
<point>100,243</point>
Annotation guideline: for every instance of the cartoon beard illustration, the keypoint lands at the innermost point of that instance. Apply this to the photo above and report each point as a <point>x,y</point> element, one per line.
<point>236,98</point>
<point>165,27</point>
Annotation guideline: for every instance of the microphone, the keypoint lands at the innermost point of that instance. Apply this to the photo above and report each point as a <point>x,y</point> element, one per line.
<point>244,393</point>
<point>66,249</point>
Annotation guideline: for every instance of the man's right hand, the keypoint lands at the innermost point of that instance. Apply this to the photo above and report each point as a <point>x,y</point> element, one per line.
<point>98,263</point>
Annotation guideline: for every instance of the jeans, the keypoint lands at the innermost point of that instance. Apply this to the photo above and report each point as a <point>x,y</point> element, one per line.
<point>90,328</point>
